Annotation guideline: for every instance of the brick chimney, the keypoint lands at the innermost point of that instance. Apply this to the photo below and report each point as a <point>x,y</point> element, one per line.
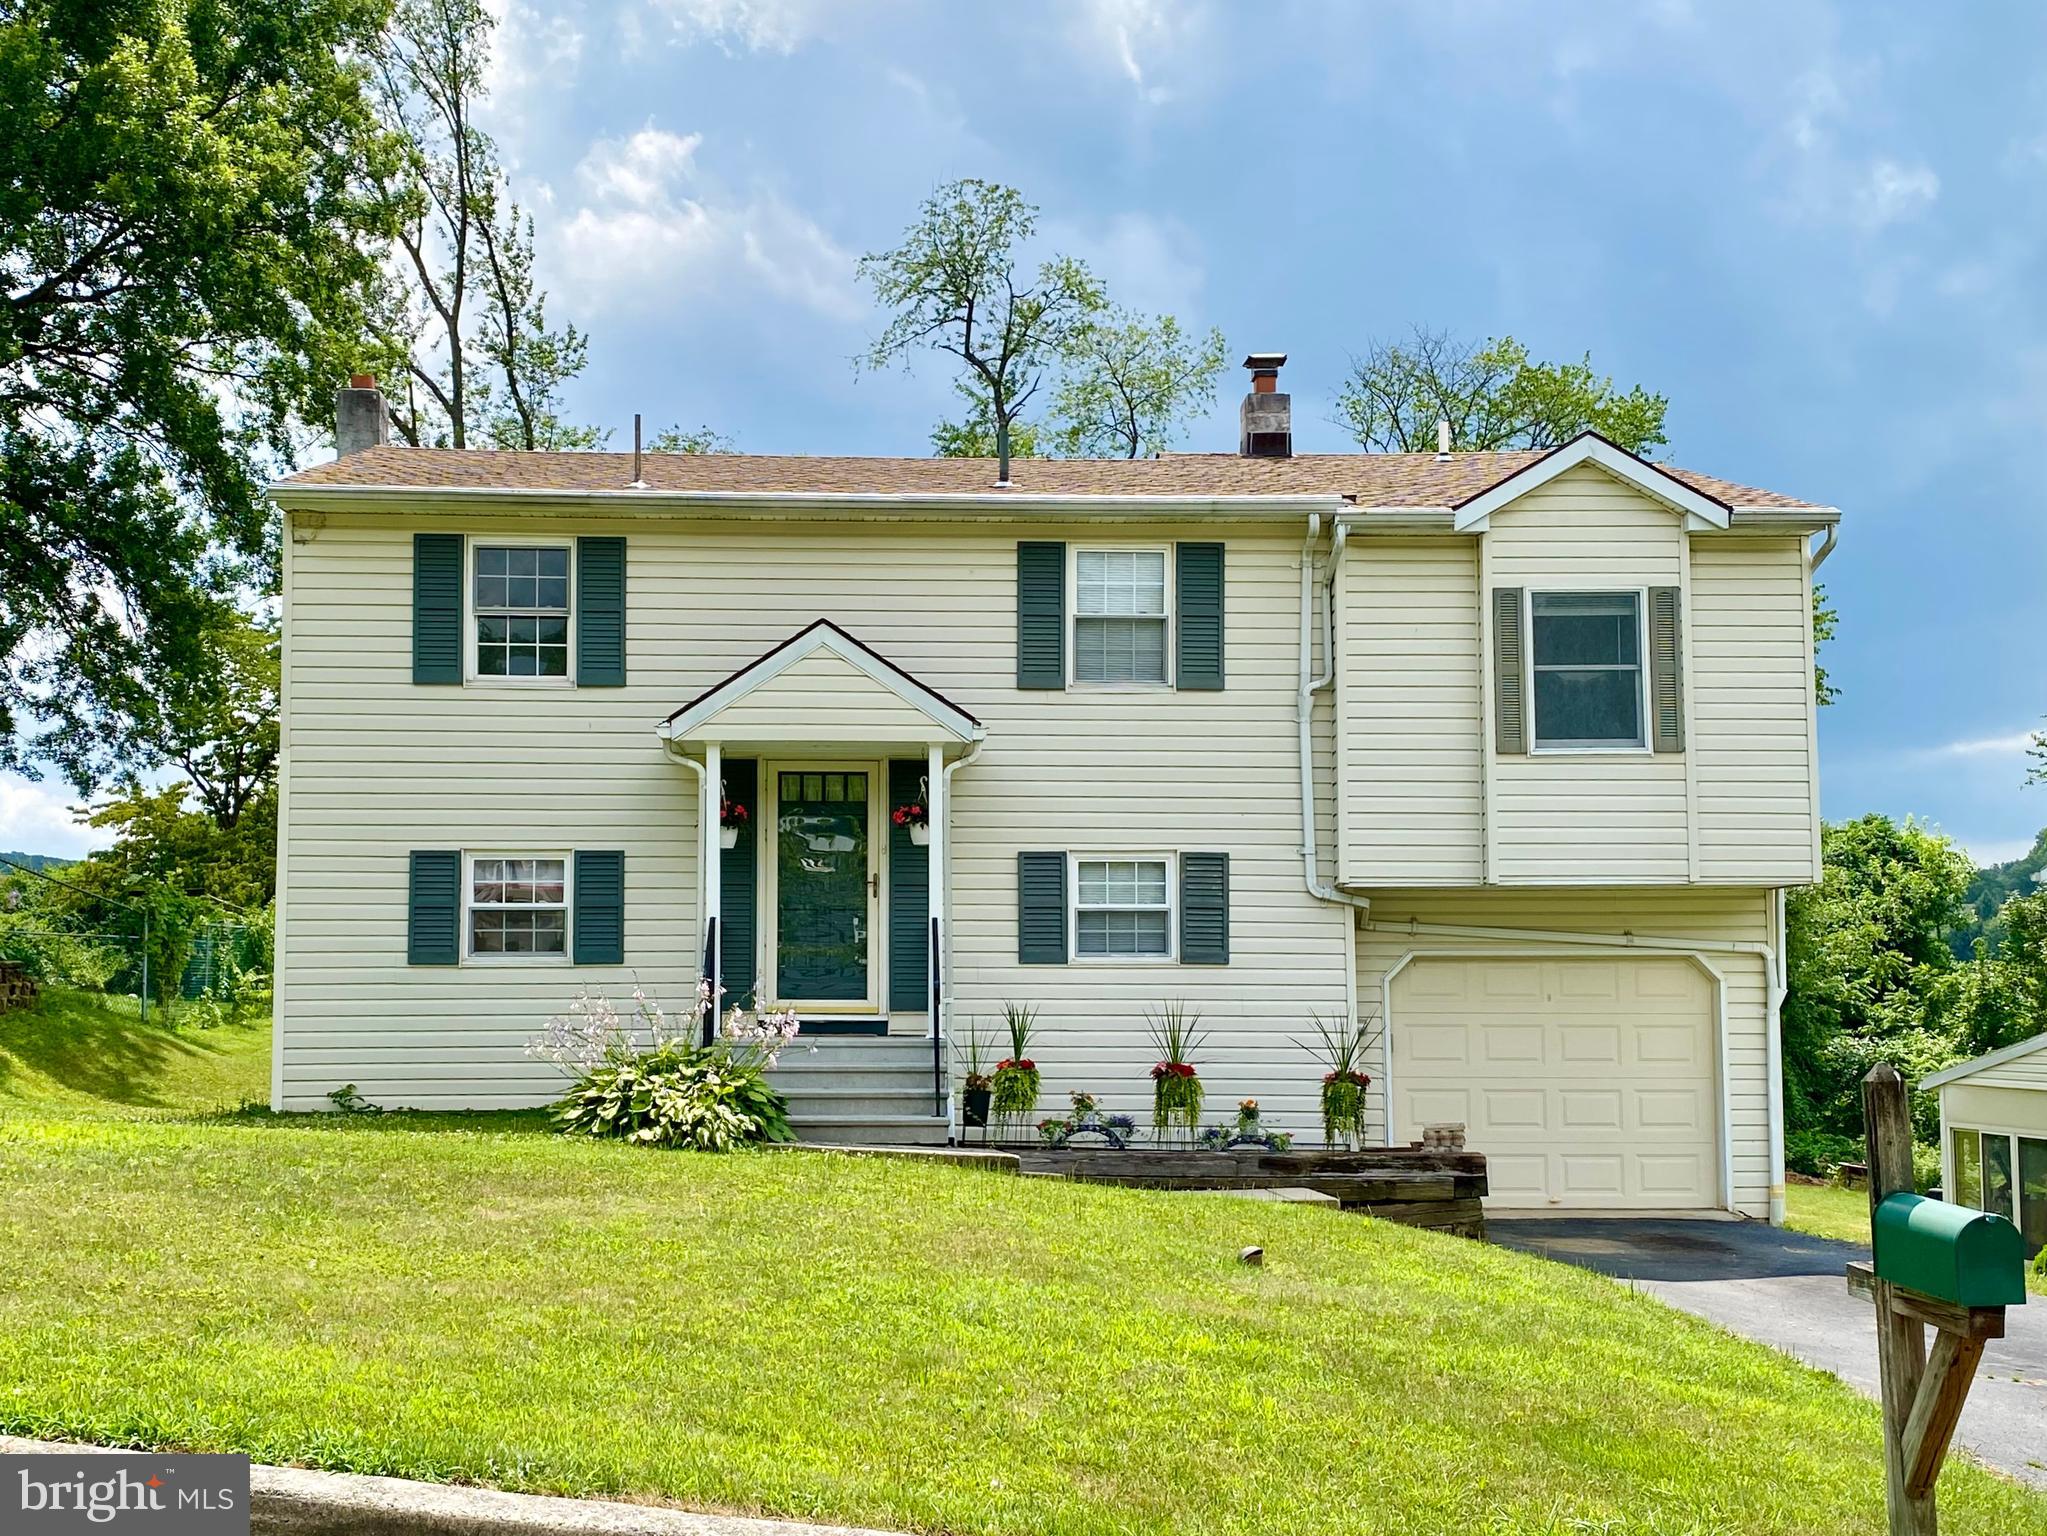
<point>360,420</point>
<point>1266,419</point>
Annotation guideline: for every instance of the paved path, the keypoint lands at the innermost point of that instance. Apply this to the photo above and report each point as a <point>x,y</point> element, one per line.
<point>1786,1289</point>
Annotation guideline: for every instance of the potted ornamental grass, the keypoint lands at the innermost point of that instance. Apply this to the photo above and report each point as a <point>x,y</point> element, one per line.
<point>977,1088</point>
<point>1014,1090</point>
<point>1176,1090</point>
<point>1342,1049</point>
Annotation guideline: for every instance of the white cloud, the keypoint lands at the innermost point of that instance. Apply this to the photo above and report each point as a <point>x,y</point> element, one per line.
<point>530,49</point>
<point>757,26</point>
<point>1146,262</point>
<point>1143,42</point>
<point>1987,746</point>
<point>1995,850</point>
<point>37,819</point>
<point>1890,192</point>
<point>650,217</point>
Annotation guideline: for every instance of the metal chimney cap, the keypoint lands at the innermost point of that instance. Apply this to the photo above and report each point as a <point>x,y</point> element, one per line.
<point>1260,362</point>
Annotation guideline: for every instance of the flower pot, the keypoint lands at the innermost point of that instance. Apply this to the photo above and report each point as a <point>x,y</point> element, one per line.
<point>976,1102</point>
<point>728,837</point>
<point>920,834</point>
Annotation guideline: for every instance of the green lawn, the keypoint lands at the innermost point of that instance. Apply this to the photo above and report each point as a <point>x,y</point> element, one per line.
<point>1827,1210</point>
<point>84,1053</point>
<point>878,1342</point>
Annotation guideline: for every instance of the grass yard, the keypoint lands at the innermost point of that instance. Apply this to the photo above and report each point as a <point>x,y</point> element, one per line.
<point>84,1053</point>
<point>1828,1210</point>
<point>874,1342</point>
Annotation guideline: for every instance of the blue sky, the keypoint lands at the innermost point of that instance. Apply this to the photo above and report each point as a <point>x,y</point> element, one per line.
<point>1817,228</point>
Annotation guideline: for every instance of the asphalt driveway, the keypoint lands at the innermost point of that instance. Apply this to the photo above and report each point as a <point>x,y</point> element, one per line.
<point>1786,1289</point>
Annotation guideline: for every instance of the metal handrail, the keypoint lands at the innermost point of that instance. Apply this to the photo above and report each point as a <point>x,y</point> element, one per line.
<point>711,973</point>
<point>938,1083</point>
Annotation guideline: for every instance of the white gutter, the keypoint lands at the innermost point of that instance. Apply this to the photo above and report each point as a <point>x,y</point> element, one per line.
<point>1773,1056</point>
<point>1819,556</point>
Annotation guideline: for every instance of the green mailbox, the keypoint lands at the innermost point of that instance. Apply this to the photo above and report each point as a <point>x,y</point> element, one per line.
<point>1971,1258</point>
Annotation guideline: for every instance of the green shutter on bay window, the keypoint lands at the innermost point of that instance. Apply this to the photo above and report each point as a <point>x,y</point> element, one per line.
<point>1510,674</point>
<point>736,870</point>
<point>598,920</point>
<point>600,612</point>
<point>1204,909</point>
<point>1040,614</point>
<point>437,607</point>
<point>909,897</point>
<point>1041,908</point>
<point>1200,568</point>
<point>433,908</point>
<point>1666,670</point>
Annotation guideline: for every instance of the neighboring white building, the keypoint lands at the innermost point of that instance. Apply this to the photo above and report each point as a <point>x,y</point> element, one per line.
<point>1511,752</point>
<point>1993,1135</point>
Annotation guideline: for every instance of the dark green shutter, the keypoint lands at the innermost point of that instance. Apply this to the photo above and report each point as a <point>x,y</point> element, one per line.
<point>437,607</point>
<point>599,916</point>
<point>1040,614</point>
<point>909,898</point>
<point>1510,673</point>
<point>600,613</point>
<point>1200,569</point>
<point>1041,908</point>
<point>1666,670</point>
<point>1204,909</point>
<point>434,909</point>
<point>738,867</point>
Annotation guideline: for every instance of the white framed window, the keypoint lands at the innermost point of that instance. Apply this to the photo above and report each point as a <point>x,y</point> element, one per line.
<point>1123,906</point>
<point>515,906</point>
<point>1585,671</point>
<point>520,597</point>
<point>1122,616</point>
<point>2004,1171</point>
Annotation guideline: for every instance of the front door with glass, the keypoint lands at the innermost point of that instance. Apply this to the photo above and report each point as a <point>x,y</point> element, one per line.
<point>825,888</point>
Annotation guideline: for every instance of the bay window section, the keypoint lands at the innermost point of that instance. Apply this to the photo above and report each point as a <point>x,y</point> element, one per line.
<point>1120,618</point>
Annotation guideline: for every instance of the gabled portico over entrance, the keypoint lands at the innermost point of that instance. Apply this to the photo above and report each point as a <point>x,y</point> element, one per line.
<point>823,771</point>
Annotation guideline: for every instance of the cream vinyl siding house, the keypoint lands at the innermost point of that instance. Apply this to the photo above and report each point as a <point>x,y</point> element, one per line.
<point>1258,733</point>
<point>1993,1135</point>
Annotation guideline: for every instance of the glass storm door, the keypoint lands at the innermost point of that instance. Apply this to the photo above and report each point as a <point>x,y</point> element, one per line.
<point>823,890</point>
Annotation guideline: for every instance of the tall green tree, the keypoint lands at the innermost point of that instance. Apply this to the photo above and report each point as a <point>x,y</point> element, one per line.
<point>181,232</point>
<point>1492,394</point>
<point>456,312</point>
<point>1130,382</point>
<point>217,724</point>
<point>973,435</point>
<point>957,284</point>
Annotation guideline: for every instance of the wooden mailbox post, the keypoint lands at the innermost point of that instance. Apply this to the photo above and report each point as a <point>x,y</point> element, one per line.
<point>1935,1265</point>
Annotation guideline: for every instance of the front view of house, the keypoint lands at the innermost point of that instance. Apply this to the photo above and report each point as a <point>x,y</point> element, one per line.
<point>1510,754</point>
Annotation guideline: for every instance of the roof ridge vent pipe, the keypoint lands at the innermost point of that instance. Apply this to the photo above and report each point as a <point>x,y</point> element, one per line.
<point>639,482</point>
<point>1442,439</point>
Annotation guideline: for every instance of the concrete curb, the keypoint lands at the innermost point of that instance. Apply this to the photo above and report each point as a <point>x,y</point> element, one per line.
<point>292,1501</point>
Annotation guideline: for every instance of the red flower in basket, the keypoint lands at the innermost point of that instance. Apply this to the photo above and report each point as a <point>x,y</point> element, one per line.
<point>1172,1069</point>
<point>911,815</point>
<point>731,813</point>
<point>1362,1079</point>
<point>1024,1064</point>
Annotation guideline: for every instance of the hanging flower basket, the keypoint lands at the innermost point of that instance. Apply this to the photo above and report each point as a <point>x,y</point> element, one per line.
<point>914,818</point>
<point>1176,1094</point>
<point>1343,1108</point>
<point>732,820</point>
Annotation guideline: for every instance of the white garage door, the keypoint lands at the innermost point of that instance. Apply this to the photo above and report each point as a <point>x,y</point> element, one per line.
<point>1586,1082</point>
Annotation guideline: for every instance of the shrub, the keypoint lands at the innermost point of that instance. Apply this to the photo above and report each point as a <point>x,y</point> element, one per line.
<point>1819,1153</point>
<point>643,1081</point>
<point>676,1095</point>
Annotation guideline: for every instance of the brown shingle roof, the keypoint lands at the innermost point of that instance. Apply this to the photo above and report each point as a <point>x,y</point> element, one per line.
<point>1370,479</point>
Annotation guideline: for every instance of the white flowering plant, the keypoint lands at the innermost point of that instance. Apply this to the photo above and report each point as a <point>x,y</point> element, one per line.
<point>640,1076</point>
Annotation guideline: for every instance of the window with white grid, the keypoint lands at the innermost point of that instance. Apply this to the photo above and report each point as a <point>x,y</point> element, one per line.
<point>1120,618</point>
<point>518,906</point>
<point>1123,907</point>
<point>520,597</point>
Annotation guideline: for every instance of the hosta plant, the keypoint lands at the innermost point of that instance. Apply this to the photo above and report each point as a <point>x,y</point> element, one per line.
<point>638,1078</point>
<point>1176,1091</point>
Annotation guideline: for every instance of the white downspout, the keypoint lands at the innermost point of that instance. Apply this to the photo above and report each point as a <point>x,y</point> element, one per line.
<point>696,768</point>
<point>1819,556</point>
<point>1774,1055</point>
<point>1304,710</point>
<point>941,903</point>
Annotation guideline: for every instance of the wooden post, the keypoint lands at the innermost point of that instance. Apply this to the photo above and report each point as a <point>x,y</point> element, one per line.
<point>1900,1340</point>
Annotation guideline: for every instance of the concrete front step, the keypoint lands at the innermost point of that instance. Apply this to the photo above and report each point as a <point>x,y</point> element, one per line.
<point>872,1130</point>
<point>811,1102</point>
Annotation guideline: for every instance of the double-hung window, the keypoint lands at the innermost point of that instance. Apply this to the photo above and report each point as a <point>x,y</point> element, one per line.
<point>1120,617</point>
<point>1123,907</point>
<point>520,599</point>
<point>2002,1171</point>
<point>518,906</point>
<point>1587,666</point>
